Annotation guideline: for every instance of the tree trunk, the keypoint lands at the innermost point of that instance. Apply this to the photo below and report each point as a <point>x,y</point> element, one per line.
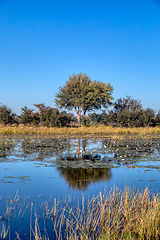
<point>84,118</point>
<point>41,122</point>
<point>78,148</point>
<point>79,119</point>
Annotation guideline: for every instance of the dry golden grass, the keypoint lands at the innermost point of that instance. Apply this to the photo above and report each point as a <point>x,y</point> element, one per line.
<point>117,215</point>
<point>129,214</point>
<point>92,130</point>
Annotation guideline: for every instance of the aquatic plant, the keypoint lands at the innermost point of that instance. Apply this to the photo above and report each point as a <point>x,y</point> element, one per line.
<point>130,214</point>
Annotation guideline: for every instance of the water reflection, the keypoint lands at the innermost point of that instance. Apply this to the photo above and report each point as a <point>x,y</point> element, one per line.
<point>96,151</point>
<point>79,178</point>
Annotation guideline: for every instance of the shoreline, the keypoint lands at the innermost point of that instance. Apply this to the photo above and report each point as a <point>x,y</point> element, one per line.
<point>91,130</point>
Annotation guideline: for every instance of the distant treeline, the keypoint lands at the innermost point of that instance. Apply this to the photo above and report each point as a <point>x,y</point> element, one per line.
<point>126,112</point>
<point>44,116</point>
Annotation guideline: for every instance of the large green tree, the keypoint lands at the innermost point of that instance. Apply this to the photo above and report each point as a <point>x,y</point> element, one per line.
<point>83,95</point>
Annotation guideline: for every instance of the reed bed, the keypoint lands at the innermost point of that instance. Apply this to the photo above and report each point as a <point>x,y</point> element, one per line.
<point>117,215</point>
<point>91,130</point>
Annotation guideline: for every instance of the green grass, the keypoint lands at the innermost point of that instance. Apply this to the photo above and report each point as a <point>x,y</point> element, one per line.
<point>117,215</point>
<point>92,130</point>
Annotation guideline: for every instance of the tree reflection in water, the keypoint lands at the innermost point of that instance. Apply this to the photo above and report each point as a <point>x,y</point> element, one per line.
<point>79,178</point>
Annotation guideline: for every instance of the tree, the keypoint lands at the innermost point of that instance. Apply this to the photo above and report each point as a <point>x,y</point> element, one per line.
<point>158,118</point>
<point>109,119</point>
<point>95,118</point>
<point>6,115</point>
<point>83,95</point>
<point>43,112</point>
<point>149,117</point>
<point>28,116</point>
<point>52,117</point>
<point>129,112</point>
<point>127,104</point>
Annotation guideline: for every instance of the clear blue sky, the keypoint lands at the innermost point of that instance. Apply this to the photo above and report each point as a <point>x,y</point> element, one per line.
<point>44,41</point>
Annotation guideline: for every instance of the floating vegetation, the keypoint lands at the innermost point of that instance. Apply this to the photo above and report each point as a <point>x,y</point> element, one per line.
<point>24,177</point>
<point>85,152</point>
<point>144,166</point>
<point>9,177</point>
<point>133,148</point>
<point>6,145</point>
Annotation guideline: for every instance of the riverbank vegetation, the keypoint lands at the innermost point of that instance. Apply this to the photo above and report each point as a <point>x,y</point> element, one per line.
<point>82,95</point>
<point>126,113</point>
<point>126,117</point>
<point>130,214</point>
<point>92,130</point>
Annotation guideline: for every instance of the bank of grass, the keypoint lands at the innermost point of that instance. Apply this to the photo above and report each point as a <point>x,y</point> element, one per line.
<point>91,130</point>
<point>117,215</point>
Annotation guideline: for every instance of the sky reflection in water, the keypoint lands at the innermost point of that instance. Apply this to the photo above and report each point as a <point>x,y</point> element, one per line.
<point>37,167</point>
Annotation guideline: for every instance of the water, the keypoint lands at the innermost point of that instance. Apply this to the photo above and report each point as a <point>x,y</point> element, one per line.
<point>39,169</point>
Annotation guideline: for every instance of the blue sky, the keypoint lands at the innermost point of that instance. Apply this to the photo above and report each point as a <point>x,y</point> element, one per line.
<point>44,41</point>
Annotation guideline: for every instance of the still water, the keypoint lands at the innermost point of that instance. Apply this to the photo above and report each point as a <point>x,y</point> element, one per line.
<point>37,169</point>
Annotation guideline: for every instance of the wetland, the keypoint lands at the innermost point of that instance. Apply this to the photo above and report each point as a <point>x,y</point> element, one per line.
<point>39,173</point>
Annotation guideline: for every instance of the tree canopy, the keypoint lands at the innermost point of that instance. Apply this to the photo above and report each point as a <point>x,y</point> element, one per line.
<point>6,115</point>
<point>82,95</point>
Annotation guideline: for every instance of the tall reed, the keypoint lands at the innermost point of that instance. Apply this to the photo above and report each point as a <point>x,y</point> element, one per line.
<point>129,214</point>
<point>117,215</point>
